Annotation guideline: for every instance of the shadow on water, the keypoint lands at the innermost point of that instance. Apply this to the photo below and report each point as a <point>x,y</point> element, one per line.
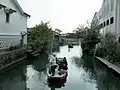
<point>10,80</point>
<point>57,84</point>
<point>84,73</point>
<point>16,78</point>
<point>97,73</point>
<point>40,64</point>
<point>56,49</point>
<point>26,75</point>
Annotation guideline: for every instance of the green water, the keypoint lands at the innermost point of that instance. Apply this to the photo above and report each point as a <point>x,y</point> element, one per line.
<point>84,73</point>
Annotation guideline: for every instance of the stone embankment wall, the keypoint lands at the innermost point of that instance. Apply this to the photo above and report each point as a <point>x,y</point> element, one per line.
<point>6,58</point>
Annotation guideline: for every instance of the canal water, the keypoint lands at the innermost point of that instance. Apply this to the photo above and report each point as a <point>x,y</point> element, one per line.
<point>84,73</point>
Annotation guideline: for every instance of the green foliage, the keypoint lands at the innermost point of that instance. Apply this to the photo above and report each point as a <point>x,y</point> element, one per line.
<point>109,48</point>
<point>81,31</point>
<point>89,36</point>
<point>40,36</point>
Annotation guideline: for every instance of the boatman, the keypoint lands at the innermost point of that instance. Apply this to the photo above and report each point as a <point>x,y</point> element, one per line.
<point>53,64</point>
<point>53,59</point>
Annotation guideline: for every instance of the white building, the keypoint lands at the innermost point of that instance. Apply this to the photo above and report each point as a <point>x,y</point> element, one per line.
<point>108,17</point>
<point>13,22</point>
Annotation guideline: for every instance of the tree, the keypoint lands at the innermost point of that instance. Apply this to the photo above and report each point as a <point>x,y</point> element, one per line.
<point>40,36</point>
<point>81,31</point>
<point>89,36</point>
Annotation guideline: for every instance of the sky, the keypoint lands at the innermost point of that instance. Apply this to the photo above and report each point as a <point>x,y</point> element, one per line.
<point>65,15</point>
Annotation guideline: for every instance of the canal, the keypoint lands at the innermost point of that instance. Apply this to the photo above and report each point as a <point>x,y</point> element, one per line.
<point>84,73</point>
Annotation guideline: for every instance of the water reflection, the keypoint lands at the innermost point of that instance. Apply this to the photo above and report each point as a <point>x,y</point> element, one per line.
<point>57,84</point>
<point>85,62</point>
<point>36,74</point>
<point>97,73</point>
<point>106,79</point>
<point>27,75</point>
<point>84,73</point>
<point>13,79</point>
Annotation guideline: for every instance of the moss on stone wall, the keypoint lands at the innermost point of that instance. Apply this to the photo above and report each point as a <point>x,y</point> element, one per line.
<point>10,56</point>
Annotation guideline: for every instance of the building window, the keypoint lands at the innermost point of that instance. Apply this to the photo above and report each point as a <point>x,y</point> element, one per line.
<point>107,22</point>
<point>119,39</point>
<point>101,26</point>
<point>104,24</point>
<point>7,17</point>
<point>111,20</point>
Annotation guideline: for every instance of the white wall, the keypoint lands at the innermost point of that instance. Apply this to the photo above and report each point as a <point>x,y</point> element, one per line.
<point>107,11</point>
<point>17,23</point>
<point>118,17</point>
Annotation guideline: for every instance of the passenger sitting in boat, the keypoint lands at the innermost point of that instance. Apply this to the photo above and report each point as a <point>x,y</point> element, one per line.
<point>60,66</point>
<point>65,61</point>
<point>63,64</point>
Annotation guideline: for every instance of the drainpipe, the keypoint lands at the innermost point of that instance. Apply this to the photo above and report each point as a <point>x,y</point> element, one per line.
<point>23,34</point>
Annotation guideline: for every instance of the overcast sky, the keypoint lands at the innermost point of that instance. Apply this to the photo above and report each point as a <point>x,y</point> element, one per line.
<point>62,14</point>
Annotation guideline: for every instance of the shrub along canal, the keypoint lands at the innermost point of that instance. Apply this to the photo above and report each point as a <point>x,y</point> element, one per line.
<point>84,73</point>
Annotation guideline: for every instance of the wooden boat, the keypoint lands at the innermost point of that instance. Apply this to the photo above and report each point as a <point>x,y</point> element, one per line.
<point>61,75</point>
<point>56,84</point>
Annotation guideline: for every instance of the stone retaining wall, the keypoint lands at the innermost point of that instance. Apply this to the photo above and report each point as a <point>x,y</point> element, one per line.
<point>109,65</point>
<point>11,56</point>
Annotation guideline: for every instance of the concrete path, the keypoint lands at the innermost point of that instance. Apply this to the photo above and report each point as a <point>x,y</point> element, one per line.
<point>110,65</point>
